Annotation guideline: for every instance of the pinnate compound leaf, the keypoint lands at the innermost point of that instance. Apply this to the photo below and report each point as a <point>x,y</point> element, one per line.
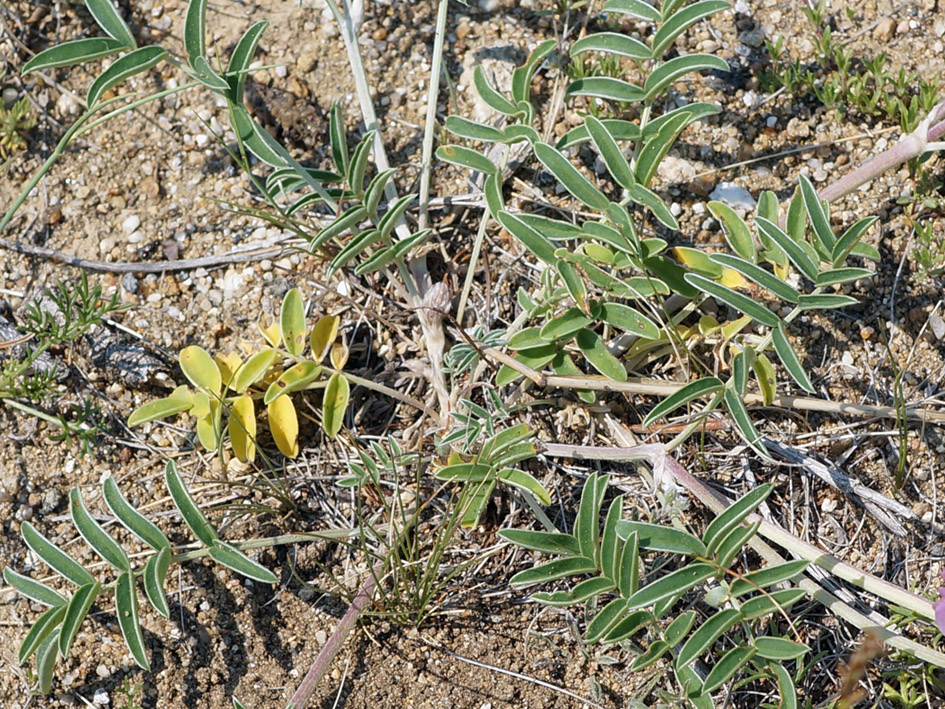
<point>54,557</point>
<point>34,590</point>
<point>39,632</point>
<point>78,608</point>
<point>243,429</point>
<point>126,608</point>
<point>738,301</point>
<point>155,571</point>
<point>734,515</point>
<point>730,663</point>
<point>284,426</point>
<point>692,391</point>
<point>292,322</point>
<point>200,369</point>
<point>789,359</point>
<point>96,537</point>
<point>233,558</point>
<point>195,31</point>
<point>194,518</point>
<point>549,542</point>
<point>240,60</point>
<point>335,404</point>
<point>769,576</point>
<point>607,88</point>
<point>639,9</point>
<point>77,51</point>
<point>706,634</point>
<point>107,17</point>
<point>779,649</point>
<point>657,537</point>
<point>683,20</point>
<point>570,177</point>
<point>124,68</point>
<point>611,43</point>
<point>676,68</point>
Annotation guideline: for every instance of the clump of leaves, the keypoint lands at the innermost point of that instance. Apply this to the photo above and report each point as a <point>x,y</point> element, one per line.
<point>688,598</point>
<point>30,379</point>
<point>15,122</point>
<point>235,385</point>
<point>51,636</point>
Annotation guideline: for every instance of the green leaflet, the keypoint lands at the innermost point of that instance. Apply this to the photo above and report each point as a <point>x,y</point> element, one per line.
<point>107,17</point>
<point>126,608</point>
<point>96,537</point>
<point>193,517</point>
<point>570,177</point>
<point>690,392</point>
<point>77,51</point>
<point>233,558</point>
<point>55,558</point>
<point>124,68</point>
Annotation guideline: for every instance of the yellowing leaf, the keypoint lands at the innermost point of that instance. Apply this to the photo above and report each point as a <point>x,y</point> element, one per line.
<point>334,405</point>
<point>201,405</point>
<point>228,364</point>
<point>733,327</point>
<point>254,369</point>
<point>243,429</point>
<point>708,325</point>
<point>733,279</point>
<point>292,322</point>
<point>323,334</point>
<point>697,260</point>
<point>284,425</point>
<point>339,355</point>
<point>270,330</point>
<point>764,372</point>
<point>200,369</point>
<point>208,427</point>
<point>294,378</point>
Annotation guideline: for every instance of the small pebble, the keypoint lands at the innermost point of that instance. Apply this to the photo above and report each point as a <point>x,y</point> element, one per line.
<point>131,224</point>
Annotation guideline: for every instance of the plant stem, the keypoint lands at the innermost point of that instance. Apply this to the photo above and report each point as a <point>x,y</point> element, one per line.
<point>426,163</point>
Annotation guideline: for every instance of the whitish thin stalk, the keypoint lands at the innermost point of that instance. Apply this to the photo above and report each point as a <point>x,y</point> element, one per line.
<point>433,95</point>
<point>657,456</point>
<point>320,667</point>
<point>923,139</point>
<point>394,394</point>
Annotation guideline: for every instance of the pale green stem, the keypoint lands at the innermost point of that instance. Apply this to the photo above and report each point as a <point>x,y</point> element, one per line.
<point>433,94</point>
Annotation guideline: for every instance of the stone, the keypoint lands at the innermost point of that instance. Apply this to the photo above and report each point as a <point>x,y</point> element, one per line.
<point>733,195</point>
<point>884,31</point>
<point>131,224</point>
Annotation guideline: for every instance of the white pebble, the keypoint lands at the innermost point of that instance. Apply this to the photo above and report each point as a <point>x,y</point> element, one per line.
<point>131,223</point>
